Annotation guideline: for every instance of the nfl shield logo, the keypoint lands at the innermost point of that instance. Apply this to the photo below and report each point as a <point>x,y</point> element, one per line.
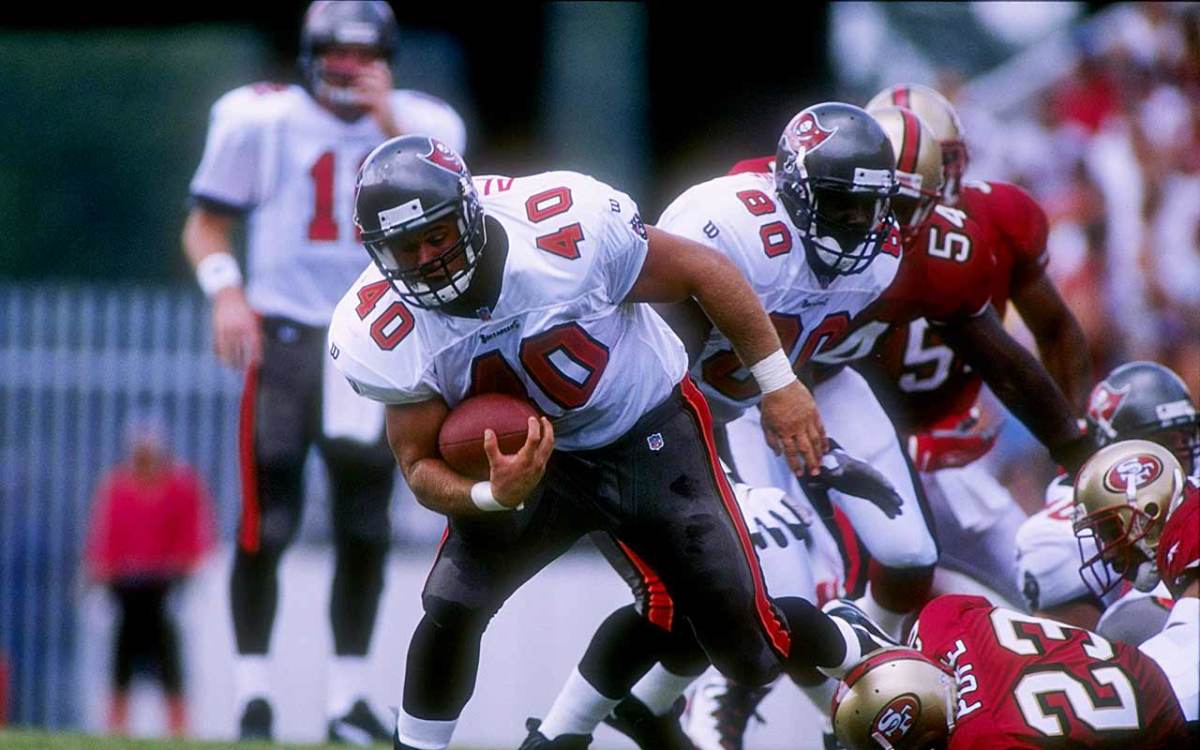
<point>655,441</point>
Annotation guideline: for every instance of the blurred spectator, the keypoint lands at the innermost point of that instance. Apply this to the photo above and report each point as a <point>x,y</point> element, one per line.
<point>151,524</point>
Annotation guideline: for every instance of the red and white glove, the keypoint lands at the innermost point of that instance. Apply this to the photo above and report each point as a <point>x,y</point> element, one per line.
<point>953,446</point>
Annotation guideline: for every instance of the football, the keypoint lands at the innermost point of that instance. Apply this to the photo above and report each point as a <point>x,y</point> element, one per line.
<point>460,440</point>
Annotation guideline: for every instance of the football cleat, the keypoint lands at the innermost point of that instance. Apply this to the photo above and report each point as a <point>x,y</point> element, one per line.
<point>720,713</point>
<point>648,730</point>
<point>871,637</point>
<point>538,741</point>
<point>358,726</point>
<point>256,721</point>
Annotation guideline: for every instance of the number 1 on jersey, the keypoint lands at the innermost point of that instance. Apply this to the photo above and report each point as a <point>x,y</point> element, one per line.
<point>323,227</point>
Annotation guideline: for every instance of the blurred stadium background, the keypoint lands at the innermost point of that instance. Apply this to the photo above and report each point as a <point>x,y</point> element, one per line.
<point>1093,107</point>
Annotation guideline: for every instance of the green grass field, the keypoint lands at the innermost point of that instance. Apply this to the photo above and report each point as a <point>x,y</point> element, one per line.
<point>22,740</point>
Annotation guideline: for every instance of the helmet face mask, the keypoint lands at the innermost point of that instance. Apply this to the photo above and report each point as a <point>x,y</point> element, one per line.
<point>1113,546</point>
<point>405,187</point>
<point>835,177</point>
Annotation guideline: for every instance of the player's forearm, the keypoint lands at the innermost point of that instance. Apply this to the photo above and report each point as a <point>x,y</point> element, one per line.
<point>1018,380</point>
<point>204,234</point>
<point>439,488</point>
<point>1063,350</point>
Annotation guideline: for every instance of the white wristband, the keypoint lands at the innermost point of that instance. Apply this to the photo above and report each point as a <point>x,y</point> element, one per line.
<point>773,372</point>
<point>217,271</point>
<point>481,495</point>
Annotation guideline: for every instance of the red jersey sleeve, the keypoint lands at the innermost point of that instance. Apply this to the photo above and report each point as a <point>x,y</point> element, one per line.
<point>758,164</point>
<point>1019,222</point>
<point>1179,545</point>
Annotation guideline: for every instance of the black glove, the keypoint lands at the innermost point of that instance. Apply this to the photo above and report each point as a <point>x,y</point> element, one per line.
<point>842,472</point>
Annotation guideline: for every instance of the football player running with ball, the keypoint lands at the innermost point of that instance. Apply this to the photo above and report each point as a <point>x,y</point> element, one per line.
<point>533,286</point>
<point>284,159</point>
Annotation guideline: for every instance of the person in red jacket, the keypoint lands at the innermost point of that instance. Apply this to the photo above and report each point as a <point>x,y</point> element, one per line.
<point>151,524</point>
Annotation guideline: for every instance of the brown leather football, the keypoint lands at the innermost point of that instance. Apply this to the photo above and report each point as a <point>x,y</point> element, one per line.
<point>460,440</point>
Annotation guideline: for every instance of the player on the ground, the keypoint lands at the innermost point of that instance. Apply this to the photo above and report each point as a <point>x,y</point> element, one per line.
<point>1011,680</point>
<point>531,286</point>
<point>1136,400</point>
<point>283,159</point>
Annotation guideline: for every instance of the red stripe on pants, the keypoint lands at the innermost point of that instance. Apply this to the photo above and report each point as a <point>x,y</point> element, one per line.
<point>660,608</point>
<point>249,536</point>
<point>776,631</point>
<point>437,555</point>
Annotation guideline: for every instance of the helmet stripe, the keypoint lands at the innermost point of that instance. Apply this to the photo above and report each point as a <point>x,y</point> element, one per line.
<point>900,96</point>
<point>911,147</point>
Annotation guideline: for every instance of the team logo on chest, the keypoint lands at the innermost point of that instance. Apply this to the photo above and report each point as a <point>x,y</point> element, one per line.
<point>1136,472</point>
<point>441,155</point>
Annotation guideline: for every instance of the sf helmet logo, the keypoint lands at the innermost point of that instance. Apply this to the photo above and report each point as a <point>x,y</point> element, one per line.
<point>1103,405</point>
<point>805,134</point>
<point>443,156</point>
<point>896,718</point>
<point>1137,472</point>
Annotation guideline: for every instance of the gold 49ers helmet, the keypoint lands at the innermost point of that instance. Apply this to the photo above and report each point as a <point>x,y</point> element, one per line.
<point>918,165</point>
<point>896,699</point>
<point>1123,494</point>
<point>941,119</point>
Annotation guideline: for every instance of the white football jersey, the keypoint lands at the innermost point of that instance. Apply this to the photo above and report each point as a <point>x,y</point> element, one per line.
<point>274,152</point>
<point>740,216</point>
<point>560,332</point>
<point>1048,554</point>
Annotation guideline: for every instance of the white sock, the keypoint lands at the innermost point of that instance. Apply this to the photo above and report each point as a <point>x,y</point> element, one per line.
<point>660,688</point>
<point>853,651</point>
<point>821,695</point>
<point>424,734</point>
<point>347,683</point>
<point>250,679</point>
<point>578,709</point>
<point>891,622</point>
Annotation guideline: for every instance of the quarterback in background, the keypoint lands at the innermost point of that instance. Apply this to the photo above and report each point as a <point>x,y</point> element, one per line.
<point>284,158</point>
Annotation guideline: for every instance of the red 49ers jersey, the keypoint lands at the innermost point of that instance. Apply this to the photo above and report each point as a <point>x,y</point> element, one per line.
<point>936,385</point>
<point>1030,682</point>
<point>946,272</point>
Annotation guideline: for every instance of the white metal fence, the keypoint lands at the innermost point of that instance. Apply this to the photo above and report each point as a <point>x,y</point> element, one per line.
<point>75,361</point>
